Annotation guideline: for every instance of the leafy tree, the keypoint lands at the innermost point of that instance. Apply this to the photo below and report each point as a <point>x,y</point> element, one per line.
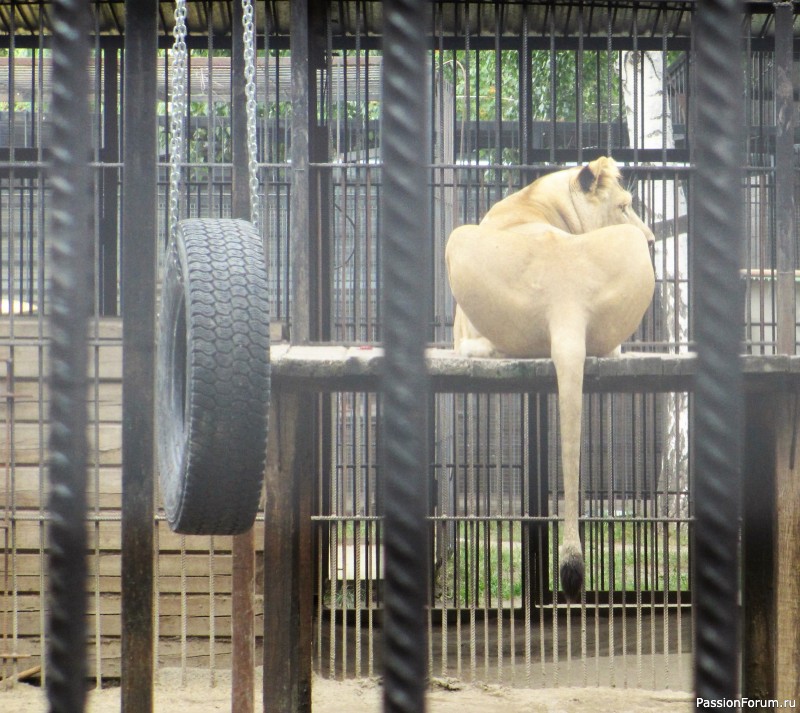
<point>483,79</point>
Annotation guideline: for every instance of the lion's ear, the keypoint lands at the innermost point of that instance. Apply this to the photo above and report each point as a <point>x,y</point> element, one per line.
<point>598,175</point>
<point>587,178</point>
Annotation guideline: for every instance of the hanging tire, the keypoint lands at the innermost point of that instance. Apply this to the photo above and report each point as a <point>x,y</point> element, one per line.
<point>213,377</point>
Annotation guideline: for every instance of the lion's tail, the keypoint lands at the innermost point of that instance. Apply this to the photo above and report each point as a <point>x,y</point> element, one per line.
<point>571,572</point>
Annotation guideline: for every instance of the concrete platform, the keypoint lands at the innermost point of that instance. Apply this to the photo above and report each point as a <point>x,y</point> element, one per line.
<point>358,368</point>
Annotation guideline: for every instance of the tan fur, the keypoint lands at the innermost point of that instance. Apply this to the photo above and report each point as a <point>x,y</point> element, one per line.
<point>559,269</point>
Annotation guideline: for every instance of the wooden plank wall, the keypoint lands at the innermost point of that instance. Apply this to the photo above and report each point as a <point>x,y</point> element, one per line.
<point>193,574</point>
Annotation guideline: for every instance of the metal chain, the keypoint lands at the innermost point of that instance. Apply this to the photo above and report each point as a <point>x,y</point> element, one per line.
<point>250,93</point>
<point>178,113</point>
<point>179,59</point>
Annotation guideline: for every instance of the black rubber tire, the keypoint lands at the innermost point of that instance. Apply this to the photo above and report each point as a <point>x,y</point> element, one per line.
<point>213,377</point>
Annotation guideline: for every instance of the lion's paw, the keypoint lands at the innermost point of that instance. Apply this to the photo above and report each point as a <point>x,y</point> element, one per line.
<point>478,348</point>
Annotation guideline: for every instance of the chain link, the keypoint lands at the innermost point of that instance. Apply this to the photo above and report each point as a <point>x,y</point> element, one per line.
<point>250,93</point>
<point>177,114</point>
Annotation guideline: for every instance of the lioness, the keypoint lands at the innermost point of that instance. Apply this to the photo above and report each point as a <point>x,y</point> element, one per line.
<point>560,269</point>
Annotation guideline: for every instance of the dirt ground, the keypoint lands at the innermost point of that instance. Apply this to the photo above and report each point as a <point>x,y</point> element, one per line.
<point>197,696</point>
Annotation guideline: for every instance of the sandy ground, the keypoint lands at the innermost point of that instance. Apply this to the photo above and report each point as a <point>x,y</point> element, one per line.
<point>197,696</point>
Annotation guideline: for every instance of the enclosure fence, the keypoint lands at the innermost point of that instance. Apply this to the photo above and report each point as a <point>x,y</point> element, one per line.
<point>516,90</point>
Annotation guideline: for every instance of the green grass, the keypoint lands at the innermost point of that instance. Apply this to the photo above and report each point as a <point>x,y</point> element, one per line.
<point>485,566</point>
<point>638,556</point>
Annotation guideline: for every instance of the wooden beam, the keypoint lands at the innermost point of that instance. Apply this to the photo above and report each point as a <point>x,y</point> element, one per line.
<point>139,242</point>
<point>288,555</point>
<point>786,408</point>
<point>758,532</point>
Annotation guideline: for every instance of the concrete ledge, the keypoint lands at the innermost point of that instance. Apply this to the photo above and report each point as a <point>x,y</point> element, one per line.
<point>357,368</point>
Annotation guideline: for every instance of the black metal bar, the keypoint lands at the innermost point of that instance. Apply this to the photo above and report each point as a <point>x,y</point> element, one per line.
<point>70,304</point>
<point>538,505</point>
<point>139,246</point>
<point>784,177</point>
<point>300,225</point>
<point>717,314</point>
<point>241,176</point>
<point>405,388</point>
<point>109,253</point>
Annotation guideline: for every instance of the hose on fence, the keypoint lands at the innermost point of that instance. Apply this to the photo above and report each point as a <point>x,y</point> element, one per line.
<point>70,297</point>
<point>718,308</point>
<point>404,383</point>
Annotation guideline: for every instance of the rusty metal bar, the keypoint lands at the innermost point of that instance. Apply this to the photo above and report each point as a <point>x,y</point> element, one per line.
<point>243,546</point>
<point>242,626</point>
<point>139,243</point>
<point>7,669</point>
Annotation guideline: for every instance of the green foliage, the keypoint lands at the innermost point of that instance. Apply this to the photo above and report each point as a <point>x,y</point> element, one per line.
<point>488,84</point>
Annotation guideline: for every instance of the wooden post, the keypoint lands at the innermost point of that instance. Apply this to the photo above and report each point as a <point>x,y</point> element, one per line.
<point>139,241</point>
<point>288,554</point>
<point>242,628</point>
<point>786,408</point>
<point>771,547</point>
<point>288,560</point>
<point>758,513</point>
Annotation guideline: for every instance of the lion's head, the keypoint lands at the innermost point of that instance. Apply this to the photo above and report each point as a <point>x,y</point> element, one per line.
<point>576,200</point>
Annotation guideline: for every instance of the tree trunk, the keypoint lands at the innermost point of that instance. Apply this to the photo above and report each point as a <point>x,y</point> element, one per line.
<point>664,209</point>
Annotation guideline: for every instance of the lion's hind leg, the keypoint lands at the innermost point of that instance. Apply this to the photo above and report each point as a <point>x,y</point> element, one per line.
<point>569,353</point>
<point>468,341</point>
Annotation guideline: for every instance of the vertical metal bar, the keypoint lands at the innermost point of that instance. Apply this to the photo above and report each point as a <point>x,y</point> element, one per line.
<point>526,105</point>
<point>244,545</point>
<point>303,101</point>
<point>579,88</point>
<point>241,183</point>
<point>40,330</point>
<point>8,666</point>
<point>718,313</point>
<point>70,302</point>
<point>537,534</point>
<point>553,89</point>
<point>784,177</point>
<point>94,332</point>
<point>139,245</point>
<point>108,257</point>
<point>498,102</point>
<point>404,383</point>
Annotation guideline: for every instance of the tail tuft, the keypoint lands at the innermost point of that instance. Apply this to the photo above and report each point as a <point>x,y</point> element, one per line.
<point>572,576</point>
